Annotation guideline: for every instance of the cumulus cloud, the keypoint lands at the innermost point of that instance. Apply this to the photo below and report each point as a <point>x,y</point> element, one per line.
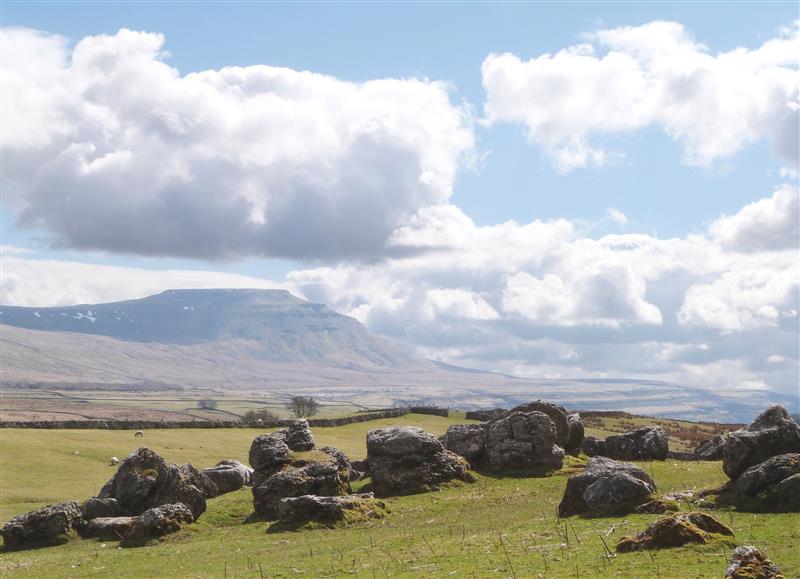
<point>617,216</point>
<point>108,147</point>
<point>628,78</point>
<point>47,282</point>
<point>766,225</point>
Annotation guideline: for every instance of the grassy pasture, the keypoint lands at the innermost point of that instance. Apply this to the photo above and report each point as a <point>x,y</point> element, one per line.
<point>496,527</point>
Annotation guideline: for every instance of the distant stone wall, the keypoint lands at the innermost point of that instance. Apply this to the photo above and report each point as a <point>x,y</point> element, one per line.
<point>150,424</point>
<point>432,410</point>
<point>485,415</point>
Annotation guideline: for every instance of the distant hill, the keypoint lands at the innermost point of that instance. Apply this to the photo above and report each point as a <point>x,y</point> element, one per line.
<point>271,341</point>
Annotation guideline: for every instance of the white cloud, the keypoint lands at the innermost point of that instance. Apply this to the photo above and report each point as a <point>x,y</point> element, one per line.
<point>629,78</point>
<point>108,147</point>
<point>45,282</point>
<point>617,216</point>
<point>768,224</point>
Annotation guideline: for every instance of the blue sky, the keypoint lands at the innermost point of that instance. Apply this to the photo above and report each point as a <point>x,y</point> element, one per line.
<point>404,229</point>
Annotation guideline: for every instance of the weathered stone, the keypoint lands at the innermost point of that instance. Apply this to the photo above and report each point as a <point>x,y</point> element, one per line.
<point>749,563</point>
<point>773,432</point>
<point>674,531</point>
<point>466,440</point>
<point>342,462</point>
<point>157,522</point>
<point>145,480</point>
<point>96,507</point>
<point>269,452</point>
<point>646,443</point>
<point>229,475</point>
<point>656,507</point>
<point>612,484</point>
<point>711,449</point>
<point>331,510</point>
<point>592,446</point>
<point>107,528</point>
<point>775,481</point>
<point>200,480</point>
<point>522,440</point>
<point>311,473</point>
<point>299,437</point>
<point>555,412</point>
<point>46,526</point>
<point>576,432</point>
<point>405,459</point>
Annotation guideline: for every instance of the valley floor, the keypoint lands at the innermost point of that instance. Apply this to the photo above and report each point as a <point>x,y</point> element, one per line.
<point>496,527</point>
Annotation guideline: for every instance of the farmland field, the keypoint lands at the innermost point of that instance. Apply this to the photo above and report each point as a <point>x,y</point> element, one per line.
<point>496,527</point>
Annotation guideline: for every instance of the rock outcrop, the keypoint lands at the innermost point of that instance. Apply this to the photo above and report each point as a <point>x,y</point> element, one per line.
<point>406,459</point>
<point>145,480</point>
<point>114,528</point>
<point>774,482</point>
<point>157,522</point>
<point>749,563</point>
<point>646,443</point>
<point>711,449</point>
<point>522,440</point>
<point>675,531</point>
<point>772,433</point>
<point>330,511</point>
<point>229,475</point>
<point>555,412</point>
<point>576,432</point>
<point>49,525</point>
<point>299,436</point>
<point>94,507</point>
<point>466,440</point>
<point>605,484</point>
<point>592,446</point>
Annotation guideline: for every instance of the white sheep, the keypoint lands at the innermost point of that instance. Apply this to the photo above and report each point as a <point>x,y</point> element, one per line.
<point>75,452</point>
<point>139,433</point>
<point>114,461</point>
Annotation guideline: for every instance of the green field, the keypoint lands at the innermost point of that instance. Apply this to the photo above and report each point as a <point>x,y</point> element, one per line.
<point>496,527</point>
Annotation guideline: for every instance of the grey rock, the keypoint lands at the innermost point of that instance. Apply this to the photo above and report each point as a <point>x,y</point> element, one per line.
<point>466,440</point>
<point>229,475</point>
<point>556,413</point>
<point>749,563</point>
<point>145,480</point>
<point>772,433</point>
<point>405,459</point>
<point>342,462</point>
<point>330,509</point>
<point>322,476</point>
<point>592,446</point>
<point>269,451</point>
<point>46,526</point>
<point>617,490</point>
<point>522,440</point>
<point>646,443</point>
<point>200,480</point>
<point>576,431</point>
<point>711,449</point>
<point>96,507</point>
<point>107,528</point>
<point>776,481</point>
<point>157,522</point>
<point>299,436</point>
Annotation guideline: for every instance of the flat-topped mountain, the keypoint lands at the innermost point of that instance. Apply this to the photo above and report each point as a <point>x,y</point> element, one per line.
<point>276,325</point>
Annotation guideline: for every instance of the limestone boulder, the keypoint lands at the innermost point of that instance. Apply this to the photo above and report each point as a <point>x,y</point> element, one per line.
<point>406,459</point>
<point>49,525</point>
<point>95,507</point>
<point>299,437</point>
<point>229,475</point>
<point>772,433</point>
<point>522,440</point>
<point>145,480</point>
<point>555,412</point>
<point>675,531</point>
<point>776,482</point>
<point>576,432</point>
<point>466,440</point>
<point>711,449</point>
<point>606,484</point>
<point>592,446</point>
<point>646,443</point>
<point>750,563</point>
<point>157,522</point>
<point>269,452</point>
<point>113,528</point>
<point>330,511</point>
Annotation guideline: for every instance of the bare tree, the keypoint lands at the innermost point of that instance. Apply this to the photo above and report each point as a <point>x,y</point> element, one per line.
<point>302,406</point>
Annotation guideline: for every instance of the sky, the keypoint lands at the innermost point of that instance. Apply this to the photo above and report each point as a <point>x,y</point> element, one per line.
<point>545,189</point>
